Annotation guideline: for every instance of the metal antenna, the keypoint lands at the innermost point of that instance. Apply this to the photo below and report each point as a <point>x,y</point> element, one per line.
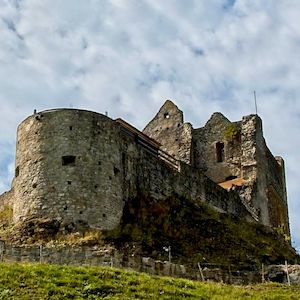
<point>255,101</point>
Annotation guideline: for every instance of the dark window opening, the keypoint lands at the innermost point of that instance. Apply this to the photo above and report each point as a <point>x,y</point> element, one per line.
<point>110,178</point>
<point>68,160</point>
<point>71,127</point>
<point>81,212</point>
<point>123,159</point>
<point>99,163</point>
<point>69,182</point>
<point>230,177</point>
<point>166,115</point>
<point>96,186</point>
<point>116,171</point>
<point>65,207</point>
<point>103,215</point>
<point>220,152</point>
<point>17,171</point>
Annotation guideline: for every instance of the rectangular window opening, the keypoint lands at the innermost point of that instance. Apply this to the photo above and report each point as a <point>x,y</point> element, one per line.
<point>68,160</point>
<point>220,152</point>
<point>17,171</point>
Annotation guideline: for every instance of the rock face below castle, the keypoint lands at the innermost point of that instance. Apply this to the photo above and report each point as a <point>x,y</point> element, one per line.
<point>81,168</point>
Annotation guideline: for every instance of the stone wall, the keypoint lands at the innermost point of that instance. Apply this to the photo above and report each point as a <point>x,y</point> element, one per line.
<point>91,256</point>
<point>105,257</point>
<point>7,198</point>
<point>225,150</point>
<point>264,176</point>
<point>146,174</point>
<point>168,128</point>
<point>217,148</point>
<point>68,167</point>
<point>80,167</point>
<point>276,192</point>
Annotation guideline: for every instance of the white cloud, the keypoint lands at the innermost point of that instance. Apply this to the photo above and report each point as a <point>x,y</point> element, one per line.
<point>127,57</point>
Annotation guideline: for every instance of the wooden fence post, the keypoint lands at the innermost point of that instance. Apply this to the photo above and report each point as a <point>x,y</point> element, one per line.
<point>262,273</point>
<point>287,273</point>
<point>201,273</point>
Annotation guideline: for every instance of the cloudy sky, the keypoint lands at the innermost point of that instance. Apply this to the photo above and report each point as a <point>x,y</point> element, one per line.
<point>127,56</point>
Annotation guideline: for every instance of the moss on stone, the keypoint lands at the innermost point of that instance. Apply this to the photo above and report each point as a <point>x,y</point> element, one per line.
<point>231,131</point>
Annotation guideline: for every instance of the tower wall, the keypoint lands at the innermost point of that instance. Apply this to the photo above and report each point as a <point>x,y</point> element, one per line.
<point>168,128</point>
<point>68,167</point>
<point>217,148</point>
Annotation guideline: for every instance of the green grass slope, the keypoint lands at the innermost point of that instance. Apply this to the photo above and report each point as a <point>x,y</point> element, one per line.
<point>66,282</point>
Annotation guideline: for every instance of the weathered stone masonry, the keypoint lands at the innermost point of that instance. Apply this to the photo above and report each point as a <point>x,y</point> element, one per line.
<point>81,167</point>
<point>233,155</point>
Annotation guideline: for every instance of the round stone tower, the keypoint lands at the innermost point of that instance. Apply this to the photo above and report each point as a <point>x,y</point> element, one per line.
<point>68,167</point>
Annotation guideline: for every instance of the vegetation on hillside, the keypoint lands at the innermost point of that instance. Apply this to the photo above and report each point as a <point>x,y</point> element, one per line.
<point>198,233</point>
<point>66,282</point>
<point>195,233</point>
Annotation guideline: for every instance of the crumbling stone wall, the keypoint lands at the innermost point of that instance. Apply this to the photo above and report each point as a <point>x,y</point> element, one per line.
<point>80,167</point>
<point>226,150</point>
<point>264,176</point>
<point>218,132</point>
<point>6,199</point>
<point>276,193</point>
<point>146,174</point>
<point>168,128</point>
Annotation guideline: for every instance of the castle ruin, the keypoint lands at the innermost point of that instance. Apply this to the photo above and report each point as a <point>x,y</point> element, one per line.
<point>81,168</point>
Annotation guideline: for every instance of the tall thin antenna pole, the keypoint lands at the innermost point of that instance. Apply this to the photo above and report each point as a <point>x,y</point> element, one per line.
<point>255,101</point>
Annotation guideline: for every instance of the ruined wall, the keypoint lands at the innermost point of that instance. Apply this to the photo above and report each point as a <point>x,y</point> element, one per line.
<point>217,148</point>
<point>80,167</point>
<point>264,175</point>
<point>146,174</point>
<point>276,193</point>
<point>224,150</point>
<point>254,165</point>
<point>7,198</point>
<point>67,167</point>
<point>171,132</point>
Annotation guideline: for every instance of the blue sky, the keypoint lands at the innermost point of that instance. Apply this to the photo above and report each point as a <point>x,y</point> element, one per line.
<point>127,56</point>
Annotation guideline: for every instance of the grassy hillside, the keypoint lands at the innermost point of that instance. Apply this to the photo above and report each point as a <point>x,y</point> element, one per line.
<point>61,282</point>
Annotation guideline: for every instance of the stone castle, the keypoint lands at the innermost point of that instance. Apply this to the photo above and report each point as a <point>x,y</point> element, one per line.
<point>81,168</point>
